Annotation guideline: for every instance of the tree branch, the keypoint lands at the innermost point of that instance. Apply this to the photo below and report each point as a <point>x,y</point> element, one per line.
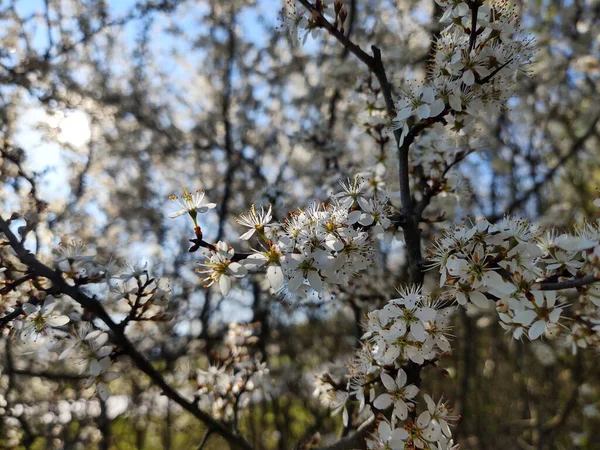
<point>568,284</point>
<point>118,337</point>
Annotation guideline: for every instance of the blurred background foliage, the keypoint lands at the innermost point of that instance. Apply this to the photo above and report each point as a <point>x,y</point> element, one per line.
<point>107,107</point>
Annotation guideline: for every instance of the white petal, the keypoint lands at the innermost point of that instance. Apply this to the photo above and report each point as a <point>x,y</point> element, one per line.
<point>181,212</point>
<point>446,15</point>
<point>468,78</point>
<point>295,282</point>
<point>224,285</point>
<point>550,299</point>
<point>518,333</point>
<point>333,243</point>
<point>423,112</point>
<point>248,234</point>
<point>415,356</point>
<point>462,9</point>
<point>388,382</point>
<point>95,368</point>
<point>427,95</point>
<point>455,102</point>
<point>418,331</point>
<point>101,339</point>
<point>411,391</point>
<point>103,391</point>
<point>353,217</point>
<point>436,108</point>
<point>385,430</point>
<point>424,419</point>
<point>403,114</point>
<point>275,277</point>
<point>525,317</point>
<point>399,434</point>
<point>401,378</point>
<point>314,279</point>
<point>537,329</point>
<point>555,315</point>
<point>66,352</point>
<point>426,314</point>
<point>104,351</point>
<point>430,403</point>
<point>256,260</point>
<point>237,269</point>
<point>366,219</point>
<point>479,299</point>
<point>29,308</point>
<point>400,410</point>
<point>432,432</point>
<point>383,401</point>
<point>443,344</point>
<point>57,321</point>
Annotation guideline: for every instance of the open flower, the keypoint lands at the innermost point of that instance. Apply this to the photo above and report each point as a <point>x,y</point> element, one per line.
<point>436,418</point>
<point>220,268</point>
<point>272,259</point>
<point>422,103</point>
<point>254,220</point>
<point>387,438</point>
<point>100,376</point>
<point>40,320</point>
<point>69,253</point>
<point>398,394</point>
<point>353,190</point>
<point>191,204</point>
<point>540,313</point>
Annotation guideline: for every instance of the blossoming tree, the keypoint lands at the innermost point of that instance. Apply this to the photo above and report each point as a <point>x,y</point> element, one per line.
<point>535,282</point>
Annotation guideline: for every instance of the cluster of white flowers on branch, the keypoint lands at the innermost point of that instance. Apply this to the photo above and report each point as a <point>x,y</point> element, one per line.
<point>477,57</point>
<point>130,291</point>
<point>327,245</point>
<point>86,344</point>
<point>520,267</point>
<point>410,331</point>
<point>515,264</point>
<point>224,388</point>
<point>314,249</point>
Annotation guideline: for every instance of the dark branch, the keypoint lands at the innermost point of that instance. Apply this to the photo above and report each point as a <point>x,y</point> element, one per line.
<point>568,284</point>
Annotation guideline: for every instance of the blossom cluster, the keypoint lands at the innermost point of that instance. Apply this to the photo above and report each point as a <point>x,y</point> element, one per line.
<point>511,264</point>
<point>224,387</point>
<point>472,67</point>
<point>431,429</point>
<point>296,21</point>
<point>79,265</point>
<point>410,329</point>
<point>87,348</point>
<point>315,248</point>
<point>130,292</point>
